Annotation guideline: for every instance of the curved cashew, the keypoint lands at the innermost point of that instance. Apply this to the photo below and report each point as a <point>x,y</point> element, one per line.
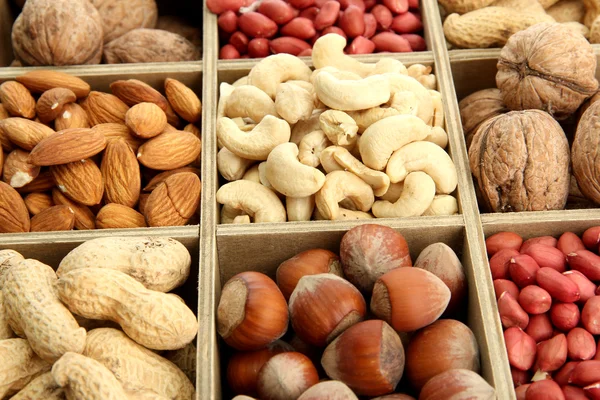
<point>417,70</point>
<point>400,103</point>
<point>393,193</point>
<point>328,160</point>
<point>303,128</point>
<point>256,144</point>
<point>252,174</point>
<point>442,204</point>
<point>438,109</point>
<point>300,208</point>
<point>229,214</point>
<point>438,136</point>
<point>328,51</point>
<point>308,86</point>
<point>262,177</point>
<point>416,197</point>
<point>311,147</point>
<point>249,101</point>
<point>339,127</point>
<point>427,157</point>
<point>242,81</point>
<point>428,81</point>
<point>389,65</point>
<point>341,75</point>
<point>399,83</point>
<point>338,186</point>
<point>241,219</point>
<point>289,176</point>
<point>384,137</point>
<point>352,95</point>
<point>230,166</point>
<point>254,199</point>
<point>275,69</point>
<point>293,102</point>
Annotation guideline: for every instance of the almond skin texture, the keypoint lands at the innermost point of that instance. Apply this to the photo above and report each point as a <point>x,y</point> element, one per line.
<point>55,218</point>
<point>41,80</point>
<point>119,216</point>
<point>14,216</point>
<point>121,173</point>
<point>113,131</point>
<point>146,120</point>
<point>103,108</point>
<point>17,100</point>
<point>173,202</point>
<point>72,116</point>
<point>24,133</point>
<point>158,179</point>
<point>84,217</point>
<point>133,91</point>
<point>17,171</point>
<point>169,150</point>
<point>67,146</point>
<point>81,181</point>
<point>43,182</point>
<point>51,103</point>
<point>37,202</point>
<point>183,100</point>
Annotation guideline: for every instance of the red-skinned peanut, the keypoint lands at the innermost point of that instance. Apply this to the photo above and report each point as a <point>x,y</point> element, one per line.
<point>585,262</point>
<point>417,43</point>
<point>336,30</point>
<point>592,391</point>
<point>559,286</point>
<point>353,22</point>
<point>258,48</point>
<point>564,316</point>
<point>540,327</point>
<point>257,25</point>
<point>414,4</point>
<point>390,42</point>
<point>228,52</point>
<point>520,347</point>
<point>361,45</point>
<point>301,28</point>
<point>590,315</point>
<point>585,373</point>
<point>277,10</point>
<point>240,42</point>
<point>564,373</point>
<point>309,13</point>
<point>519,376</point>
<point>301,4</point>
<point>220,6</point>
<point>396,6</point>
<point>521,391</point>
<point>511,313</point>
<point>573,393</point>
<point>591,238</point>
<point>499,263</point>
<point>547,240</point>
<point>289,45</point>
<point>406,23</point>
<point>505,285</point>
<point>327,15</point>
<point>581,344</point>
<point>535,300</point>
<point>356,3</point>
<point>544,390</point>
<point>547,256</point>
<point>227,21</point>
<point>384,19</point>
<point>587,289</point>
<point>523,270</point>
<point>551,354</point>
<point>569,242</point>
<point>370,25</point>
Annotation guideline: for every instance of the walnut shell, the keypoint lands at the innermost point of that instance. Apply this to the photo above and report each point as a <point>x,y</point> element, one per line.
<point>584,153</point>
<point>58,32</point>
<point>121,16</point>
<point>149,45</point>
<point>477,108</point>
<point>181,27</point>
<point>520,161</point>
<point>547,67</point>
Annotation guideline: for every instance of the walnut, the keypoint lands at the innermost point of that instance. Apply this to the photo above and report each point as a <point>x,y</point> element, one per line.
<point>585,153</point>
<point>520,161</point>
<point>180,26</point>
<point>547,67</point>
<point>58,32</point>
<point>478,107</point>
<point>121,16</point>
<point>149,45</point>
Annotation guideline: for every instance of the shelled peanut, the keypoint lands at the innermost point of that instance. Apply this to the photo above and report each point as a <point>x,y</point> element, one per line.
<point>107,283</point>
<point>367,136</point>
<point>257,28</point>
<point>549,305</point>
<point>312,323</point>
<point>85,159</point>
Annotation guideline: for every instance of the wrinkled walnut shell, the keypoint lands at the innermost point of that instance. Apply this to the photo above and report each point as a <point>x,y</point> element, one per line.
<point>121,16</point>
<point>520,161</point>
<point>586,167</point>
<point>58,32</point>
<point>477,108</point>
<point>547,67</point>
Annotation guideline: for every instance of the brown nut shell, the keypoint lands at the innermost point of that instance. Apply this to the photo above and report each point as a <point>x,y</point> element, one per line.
<point>584,153</point>
<point>477,108</point>
<point>121,16</point>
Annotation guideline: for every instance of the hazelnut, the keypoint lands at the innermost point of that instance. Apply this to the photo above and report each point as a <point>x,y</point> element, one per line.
<point>395,396</point>
<point>252,312</point>
<point>310,262</point>
<point>286,376</point>
<point>324,305</point>
<point>369,251</point>
<point>409,298</point>
<point>329,390</point>
<point>453,382</point>
<point>368,357</point>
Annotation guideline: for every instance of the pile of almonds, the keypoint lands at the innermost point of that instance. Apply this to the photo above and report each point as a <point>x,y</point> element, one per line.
<point>85,159</point>
<point>549,305</point>
<point>324,298</point>
<point>258,28</point>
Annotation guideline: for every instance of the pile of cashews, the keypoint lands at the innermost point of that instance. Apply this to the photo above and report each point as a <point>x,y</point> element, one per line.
<point>349,140</point>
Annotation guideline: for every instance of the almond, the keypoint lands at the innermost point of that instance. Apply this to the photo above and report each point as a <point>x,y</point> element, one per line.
<point>104,107</point>
<point>84,217</point>
<point>55,218</point>
<point>169,150</point>
<point>154,182</point>
<point>193,129</point>
<point>51,103</point>
<point>121,173</point>
<point>183,100</point>
<point>146,120</point>
<point>44,181</point>
<point>23,132</point>
<point>72,116</point>
<point>113,131</point>
<point>172,117</point>
<point>115,215</point>
<point>17,100</point>
<point>142,202</point>
<point>80,181</point>
<point>41,80</point>
<point>14,216</point>
<point>3,113</point>
<point>133,92</point>
<point>174,201</point>
<point>37,202</point>
<point>17,171</point>
<point>67,146</point>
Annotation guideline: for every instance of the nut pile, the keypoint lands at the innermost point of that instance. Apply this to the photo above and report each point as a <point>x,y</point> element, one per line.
<point>347,141</point>
<point>489,23</point>
<point>102,326</point>
<point>549,305</point>
<point>113,31</point>
<point>324,297</point>
<point>257,28</point>
<point>85,159</point>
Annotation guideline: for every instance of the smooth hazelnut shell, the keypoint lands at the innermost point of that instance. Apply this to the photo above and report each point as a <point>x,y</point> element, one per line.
<point>309,262</point>
<point>323,306</point>
<point>453,382</point>
<point>368,357</point>
<point>395,396</point>
<point>368,251</point>
<point>286,376</point>
<point>252,312</point>
<point>329,390</point>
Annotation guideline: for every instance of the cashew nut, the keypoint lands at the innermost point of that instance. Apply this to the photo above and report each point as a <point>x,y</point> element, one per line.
<point>241,219</point>
<point>289,176</point>
<point>311,147</point>
<point>393,193</point>
<point>345,215</point>
<point>427,157</point>
<point>338,186</point>
<point>389,65</point>
<point>442,204</point>
<point>328,160</point>
<point>353,95</point>
<point>256,144</point>
<point>428,81</point>
<point>308,86</point>
<point>339,127</point>
<point>228,214</point>
<point>293,102</point>
<point>438,108</point>
<point>328,51</point>
<point>341,75</point>
<point>399,83</point>
<point>254,199</point>
<point>300,208</point>
<point>242,81</point>
<point>249,101</point>
<point>262,177</point>
<point>303,128</point>
<point>275,69</point>
<point>230,166</point>
<point>438,136</point>
<point>252,174</point>
<point>384,137</point>
<point>400,103</point>
<point>416,197</point>
<point>225,90</point>
<point>417,70</point>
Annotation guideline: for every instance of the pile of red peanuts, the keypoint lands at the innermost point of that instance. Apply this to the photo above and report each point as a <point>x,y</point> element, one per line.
<point>549,304</point>
<point>258,28</point>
